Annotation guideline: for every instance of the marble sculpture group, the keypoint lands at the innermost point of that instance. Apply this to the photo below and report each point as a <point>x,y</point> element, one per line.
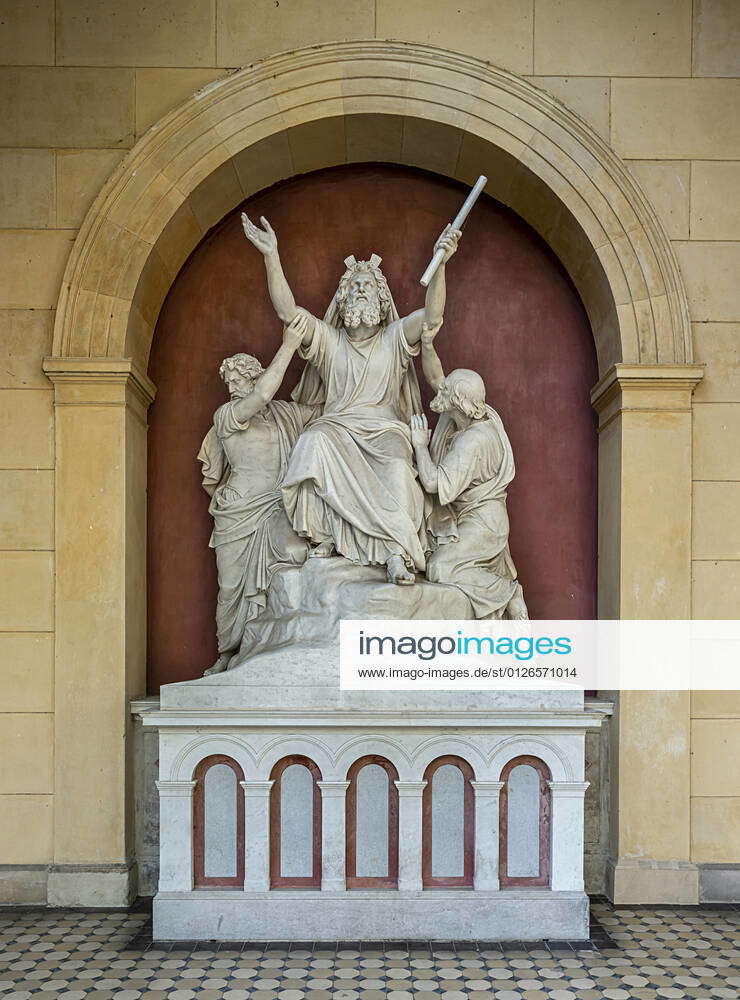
<point>349,468</point>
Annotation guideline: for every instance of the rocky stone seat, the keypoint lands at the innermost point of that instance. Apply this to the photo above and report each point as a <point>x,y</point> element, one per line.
<point>291,652</point>
<point>306,603</point>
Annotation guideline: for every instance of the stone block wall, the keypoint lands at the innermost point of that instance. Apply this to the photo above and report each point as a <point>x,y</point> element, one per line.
<point>81,80</point>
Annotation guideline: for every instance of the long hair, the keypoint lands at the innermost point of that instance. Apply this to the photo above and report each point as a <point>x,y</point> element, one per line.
<point>368,267</point>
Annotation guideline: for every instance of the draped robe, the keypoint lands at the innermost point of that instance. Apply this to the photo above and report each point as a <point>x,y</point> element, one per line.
<point>243,463</point>
<point>469,524</point>
<point>350,478</point>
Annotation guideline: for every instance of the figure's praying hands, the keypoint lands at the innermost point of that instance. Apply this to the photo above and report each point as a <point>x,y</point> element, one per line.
<point>264,239</point>
<point>420,432</point>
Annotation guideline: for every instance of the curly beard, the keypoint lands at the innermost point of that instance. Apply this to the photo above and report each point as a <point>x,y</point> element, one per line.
<point>355,313</point>
<point>441,402</point>
<point>242,389</point>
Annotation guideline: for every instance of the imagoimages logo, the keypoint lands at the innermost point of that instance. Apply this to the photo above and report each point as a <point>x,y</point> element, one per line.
<point>541,655</point>
<point>429,647</point>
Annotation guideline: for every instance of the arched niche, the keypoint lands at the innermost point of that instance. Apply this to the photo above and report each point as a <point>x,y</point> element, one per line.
<point>509,302</point>
<point>525,847</point>
<point>371,824</point>
<point>218,823</point>
<point>448,824</point>
<point>295,824</point>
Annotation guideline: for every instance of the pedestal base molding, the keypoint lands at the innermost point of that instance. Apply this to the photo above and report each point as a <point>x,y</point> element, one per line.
<point>632,881</point>
<point>91,885</point>
<point>388,916</point>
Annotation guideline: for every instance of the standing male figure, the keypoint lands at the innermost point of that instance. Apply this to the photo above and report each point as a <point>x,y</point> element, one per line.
<point>244,457</point>
<point>351,486</point>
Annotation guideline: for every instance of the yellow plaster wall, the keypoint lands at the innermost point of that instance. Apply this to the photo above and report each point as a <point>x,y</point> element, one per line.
<point>80,80</point>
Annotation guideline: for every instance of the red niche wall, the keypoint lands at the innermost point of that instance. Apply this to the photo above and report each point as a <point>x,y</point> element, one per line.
<point>512,314</point>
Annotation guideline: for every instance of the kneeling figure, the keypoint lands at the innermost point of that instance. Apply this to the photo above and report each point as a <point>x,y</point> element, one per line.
<point>467,470</point>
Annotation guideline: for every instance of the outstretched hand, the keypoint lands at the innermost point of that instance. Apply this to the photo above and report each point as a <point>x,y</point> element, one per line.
<point>264,239</point>
<point>295,331</point>
<point>447,242</point>
<point>420,433</point>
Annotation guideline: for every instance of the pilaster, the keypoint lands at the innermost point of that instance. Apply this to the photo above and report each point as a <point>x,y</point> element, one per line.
<point>100,608</point>
<point>487,796</point>
<point>645,490</point>
<point>645,462</point>
<point>257,838</point>
<point>409,834</point>
<point>333,869</point>
<point>566,823</point>
<point>176,849</point>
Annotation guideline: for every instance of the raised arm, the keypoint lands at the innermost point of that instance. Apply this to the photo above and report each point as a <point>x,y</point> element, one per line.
<point>430,363</point>
<point>420,435</point>
<point>269,381</point>
<point>282,297</point>
<point>434,306</point>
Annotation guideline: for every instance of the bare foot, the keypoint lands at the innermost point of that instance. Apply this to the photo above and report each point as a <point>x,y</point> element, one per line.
<point>516,609</point>
<point>322,551</point>
<point>220,665</point>
<point>398,573</point>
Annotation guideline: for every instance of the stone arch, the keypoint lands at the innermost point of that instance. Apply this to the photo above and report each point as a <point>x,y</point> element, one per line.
<point>372,100</point>
<point>293,113</point>
<point>301,745</point>
<point>379,745</point>
<point>194,753</point>
<point>561,768</point>
<point>446,746</point>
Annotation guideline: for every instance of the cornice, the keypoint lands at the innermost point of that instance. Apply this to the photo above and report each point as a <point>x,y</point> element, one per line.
<point>645,387</point>
<point>90,372</point>
<point>513,719</point>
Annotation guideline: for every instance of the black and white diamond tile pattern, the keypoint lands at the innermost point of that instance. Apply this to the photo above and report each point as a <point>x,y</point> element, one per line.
<point>634,954</point>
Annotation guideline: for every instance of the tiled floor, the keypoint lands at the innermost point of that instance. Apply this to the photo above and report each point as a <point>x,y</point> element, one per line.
<point>639,953</point>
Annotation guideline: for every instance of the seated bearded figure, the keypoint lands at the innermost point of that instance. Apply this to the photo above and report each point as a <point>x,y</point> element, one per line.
<point>466,471</point>
<point>350,486</point>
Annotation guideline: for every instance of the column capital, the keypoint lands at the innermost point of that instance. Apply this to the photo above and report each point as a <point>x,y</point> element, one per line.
<point>183,789</point>
<point>256,789</point>
<point>491,788</point>
<point>644,387</point>
<point>98,380</point>
<point>410,788</point>
<point>333,788</point>
<point>574,789</point>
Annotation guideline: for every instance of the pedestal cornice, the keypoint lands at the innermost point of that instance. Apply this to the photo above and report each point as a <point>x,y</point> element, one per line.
<point>329,718</point>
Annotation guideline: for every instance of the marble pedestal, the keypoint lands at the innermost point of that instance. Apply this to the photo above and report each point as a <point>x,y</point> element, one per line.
<point>286,701</point>
<point>432,915</point>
